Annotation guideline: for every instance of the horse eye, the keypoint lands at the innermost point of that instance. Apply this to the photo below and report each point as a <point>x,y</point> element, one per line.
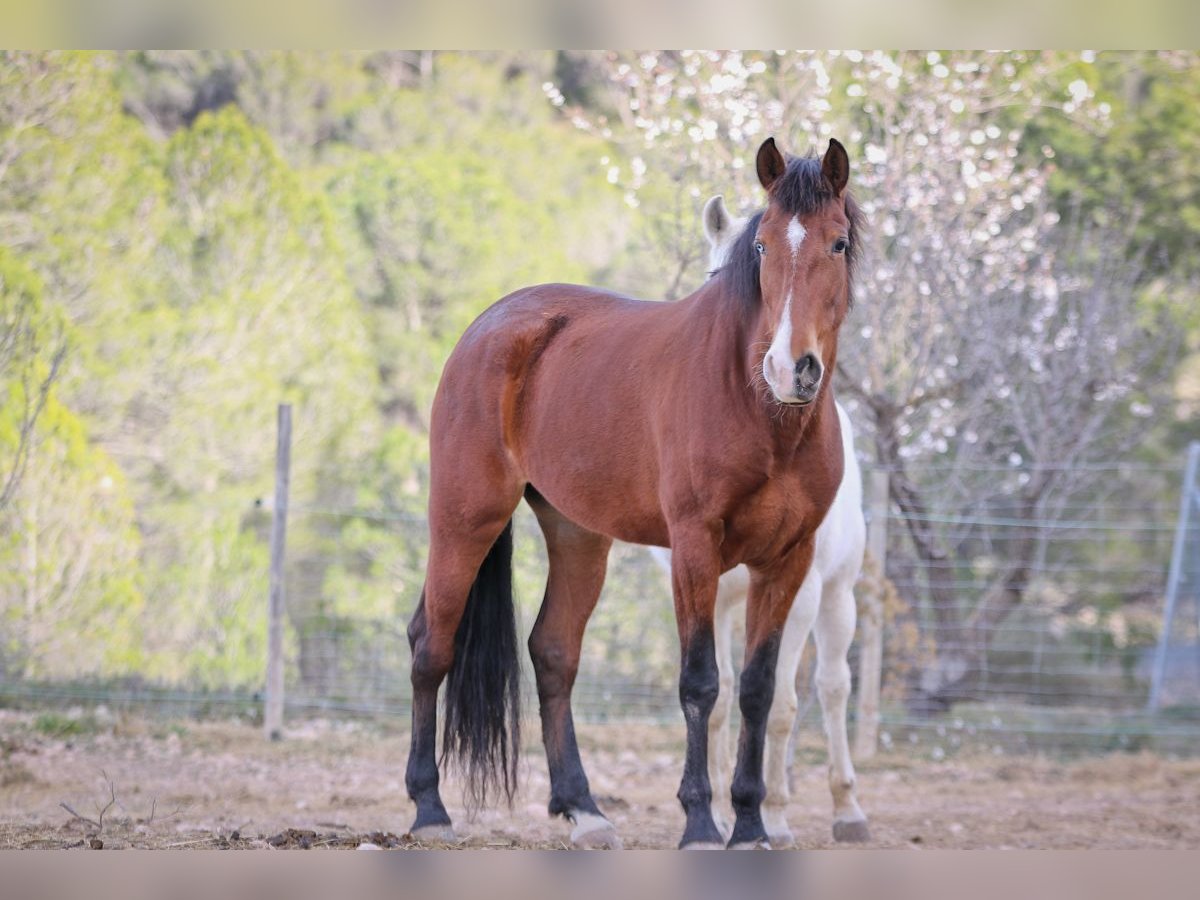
<point>840,245</point>
<point>762,250</point>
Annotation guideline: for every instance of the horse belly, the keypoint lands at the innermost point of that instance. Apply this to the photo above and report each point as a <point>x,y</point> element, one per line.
<point>597,508</point>
<point>591,454</point>
<point>599,481</point>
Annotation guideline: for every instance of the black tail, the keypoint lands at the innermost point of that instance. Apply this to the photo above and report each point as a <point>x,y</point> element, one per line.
<point>483,687</point>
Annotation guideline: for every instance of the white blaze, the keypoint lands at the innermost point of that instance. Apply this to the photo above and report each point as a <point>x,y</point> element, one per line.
<point>796,234</point>
<point>778,366</point>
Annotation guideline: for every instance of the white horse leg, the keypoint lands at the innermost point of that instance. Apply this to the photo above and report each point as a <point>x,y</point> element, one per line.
<point>728,602</point>
<point>834,632</point>
<point>782,718</point>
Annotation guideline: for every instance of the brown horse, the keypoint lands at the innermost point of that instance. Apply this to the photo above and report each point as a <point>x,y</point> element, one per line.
<point>706,425</point>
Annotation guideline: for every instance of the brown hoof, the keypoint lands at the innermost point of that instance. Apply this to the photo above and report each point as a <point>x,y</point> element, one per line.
<point>435,834</point>
<point>851,832</point>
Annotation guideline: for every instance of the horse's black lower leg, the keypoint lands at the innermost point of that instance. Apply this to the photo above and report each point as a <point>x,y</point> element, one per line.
<point>554,647</point>
<point>749,789</point>
<point>570,793</point>
<point>569,789</point>
<point>421,779</point>
<point>699,685</point>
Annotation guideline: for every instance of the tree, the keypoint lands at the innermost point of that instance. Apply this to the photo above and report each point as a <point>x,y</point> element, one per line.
<point>68,543</point>
<point>31,355</point>
<point>70,592</point>
<point>81,204</point>
<point>255,308</point>
<point>992,333</point>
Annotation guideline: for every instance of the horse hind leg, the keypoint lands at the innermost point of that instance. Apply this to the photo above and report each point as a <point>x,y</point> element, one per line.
<point>459,561</point>
<point>782,718</point>
<point>834,632</point>
<point>578,559</point>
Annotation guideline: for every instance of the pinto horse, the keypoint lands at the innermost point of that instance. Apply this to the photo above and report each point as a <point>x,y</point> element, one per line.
<point>824,606</point>
<point>705,425</point>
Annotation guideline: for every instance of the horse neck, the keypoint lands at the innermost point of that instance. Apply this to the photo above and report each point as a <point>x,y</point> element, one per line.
<point>740,337</point>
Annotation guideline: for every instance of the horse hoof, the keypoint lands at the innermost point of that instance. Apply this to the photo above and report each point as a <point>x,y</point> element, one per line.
<point>435,834</point>
<point>724,826</point>
<point>855,832</point>
<point>781,840</point>
<point>751,845</point>
<point>702,845</point>
<point>595,833</point>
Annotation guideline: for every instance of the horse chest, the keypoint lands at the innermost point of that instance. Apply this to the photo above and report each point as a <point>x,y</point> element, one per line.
<point>768,520</point>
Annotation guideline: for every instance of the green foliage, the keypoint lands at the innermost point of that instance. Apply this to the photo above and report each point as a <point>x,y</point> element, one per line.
<point>219,232</point>
<point>60,726</point>
<point>68,542</point>
<point>70,597</point>
<point>256,302</point>
<point>1143,164</point>
<point>1139,173</point>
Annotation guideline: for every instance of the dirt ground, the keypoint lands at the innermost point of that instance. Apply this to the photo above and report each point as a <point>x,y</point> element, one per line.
<point>196,784</point>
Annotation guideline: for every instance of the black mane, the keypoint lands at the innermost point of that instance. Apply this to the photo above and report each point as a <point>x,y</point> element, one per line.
<point>801,190</point>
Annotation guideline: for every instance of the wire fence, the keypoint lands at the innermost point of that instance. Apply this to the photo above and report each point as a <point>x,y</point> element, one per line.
<point>1069,662</point>
<point>1003,623</point>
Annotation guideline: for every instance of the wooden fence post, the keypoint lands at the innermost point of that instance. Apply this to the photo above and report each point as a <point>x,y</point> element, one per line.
<point>870,623</point>
<point>273,707</point>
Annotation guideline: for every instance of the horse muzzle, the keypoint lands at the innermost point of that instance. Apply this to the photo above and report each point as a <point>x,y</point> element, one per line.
<point>806,381</point>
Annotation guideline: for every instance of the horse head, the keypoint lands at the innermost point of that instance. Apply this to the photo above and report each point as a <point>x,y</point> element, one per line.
<point>793,265</point>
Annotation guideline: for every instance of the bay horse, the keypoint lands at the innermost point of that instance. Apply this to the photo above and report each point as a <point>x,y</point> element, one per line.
<point>705,425</point>
<point>824,605</point>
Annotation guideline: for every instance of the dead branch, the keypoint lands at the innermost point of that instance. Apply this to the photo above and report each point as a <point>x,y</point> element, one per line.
<point>112,790</point>
<point>91,822</point>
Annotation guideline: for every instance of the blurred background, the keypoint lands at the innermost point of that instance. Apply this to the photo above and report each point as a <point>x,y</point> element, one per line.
<point>188,239</point>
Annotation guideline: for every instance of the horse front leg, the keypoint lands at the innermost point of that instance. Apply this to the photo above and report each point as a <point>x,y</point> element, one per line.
<point>834,632</point>
<point>695,569</point>
<point>781,721</point>
<point>730,600</point>
<point>770,601</point>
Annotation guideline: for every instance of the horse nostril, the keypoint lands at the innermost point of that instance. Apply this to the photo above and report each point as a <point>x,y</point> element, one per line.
<point>808,371</point>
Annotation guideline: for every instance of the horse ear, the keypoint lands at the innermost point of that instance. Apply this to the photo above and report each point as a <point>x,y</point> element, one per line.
<point>771,164</point>
<point>716,220</point>
<point>836,166</point>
